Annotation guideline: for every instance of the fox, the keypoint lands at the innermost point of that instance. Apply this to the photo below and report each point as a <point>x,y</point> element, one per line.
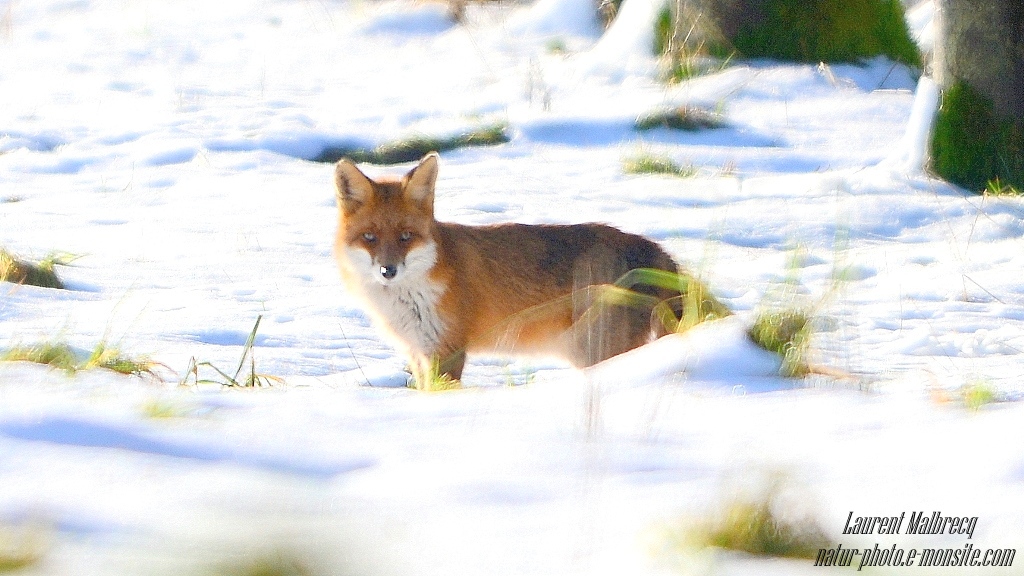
<point>441,290</point>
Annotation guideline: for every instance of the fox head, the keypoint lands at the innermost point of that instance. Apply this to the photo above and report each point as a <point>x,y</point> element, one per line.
<point>385,226</point>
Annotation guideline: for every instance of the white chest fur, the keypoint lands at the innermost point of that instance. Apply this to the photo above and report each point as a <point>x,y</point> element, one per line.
<point>410,312</point>
<point>406,306</point>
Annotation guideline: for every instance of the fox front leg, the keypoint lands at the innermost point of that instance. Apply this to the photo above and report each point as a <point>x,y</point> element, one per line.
<point>438,371</point>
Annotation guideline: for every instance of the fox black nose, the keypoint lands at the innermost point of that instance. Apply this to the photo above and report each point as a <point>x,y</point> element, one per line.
<point>389,272</point>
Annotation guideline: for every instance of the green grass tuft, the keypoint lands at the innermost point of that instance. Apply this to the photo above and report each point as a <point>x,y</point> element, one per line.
<point>40,274</point>
<point>60,355</point>
<point>653,164</point>
<point>556,46</point>
<point>54,354</point>
<point>976,394</point>
<point>973,148</point>
<point>415,147</point>
<point>785,332</point>
<point>997,188</point>
<point>754,523</point>
<point>830,31</point>
<point>103,356</point>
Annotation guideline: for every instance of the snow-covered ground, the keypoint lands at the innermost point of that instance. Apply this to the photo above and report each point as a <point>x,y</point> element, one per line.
<point>166,144</point>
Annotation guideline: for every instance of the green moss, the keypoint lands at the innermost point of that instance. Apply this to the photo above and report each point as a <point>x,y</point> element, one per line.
<point>415,147</point>
<point>973,148</point>
<point>830,31</point>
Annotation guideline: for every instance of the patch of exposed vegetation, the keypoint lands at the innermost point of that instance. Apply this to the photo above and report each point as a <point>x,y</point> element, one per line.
<point>689,118</point>
<point>55,354</point>
<point>60,355</point>
<point>997,188</point>
<point>974,148</point>
<point>21,548</point>
<point>760,522</point>
<point>415,147</point>
<point>682,42</point>
<point>785,332</point>
<point>656,164</point>
<point>271,565</point>
<point>829,31</point>
<point>110,358</point>
<point>974,395</point>
<point>42,274</point>
<point>241,379</point>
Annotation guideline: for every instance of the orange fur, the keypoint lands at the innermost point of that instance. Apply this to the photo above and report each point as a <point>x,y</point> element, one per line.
<point>440,290</point>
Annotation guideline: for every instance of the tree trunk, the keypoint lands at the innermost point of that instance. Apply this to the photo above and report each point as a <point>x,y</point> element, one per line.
<point>984,47</point>
<point>979,136</point>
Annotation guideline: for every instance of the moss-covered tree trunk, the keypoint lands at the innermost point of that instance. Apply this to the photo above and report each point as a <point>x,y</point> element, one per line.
<point>979,136</point>
<point>796,30</point>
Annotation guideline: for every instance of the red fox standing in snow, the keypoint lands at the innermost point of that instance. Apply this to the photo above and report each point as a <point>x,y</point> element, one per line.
<point>441,290</point>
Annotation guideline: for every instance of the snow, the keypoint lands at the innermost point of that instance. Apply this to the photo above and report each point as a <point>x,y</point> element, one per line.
<point>167,145</point>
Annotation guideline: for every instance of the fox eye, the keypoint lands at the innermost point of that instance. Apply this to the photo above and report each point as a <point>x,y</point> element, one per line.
<point>405,236</point>
<point>369,237</point>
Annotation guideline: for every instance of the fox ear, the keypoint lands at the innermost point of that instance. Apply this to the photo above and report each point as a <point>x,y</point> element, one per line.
<point>354,188</point>
<point>419,182</point>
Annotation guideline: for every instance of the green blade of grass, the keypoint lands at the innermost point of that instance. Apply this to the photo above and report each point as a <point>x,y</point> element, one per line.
<point>247,349</point>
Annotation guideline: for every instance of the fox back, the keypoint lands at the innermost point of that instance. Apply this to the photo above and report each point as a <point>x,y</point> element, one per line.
<point>440,290</point>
